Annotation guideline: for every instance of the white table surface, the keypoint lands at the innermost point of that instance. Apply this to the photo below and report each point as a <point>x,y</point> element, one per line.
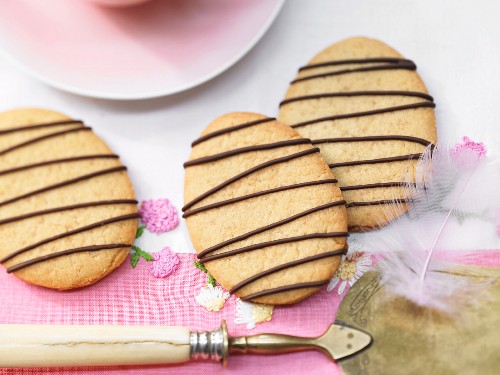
<point>455,43</point>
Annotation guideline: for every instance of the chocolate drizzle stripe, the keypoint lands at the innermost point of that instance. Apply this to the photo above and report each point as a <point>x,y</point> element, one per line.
<point>269,146</point>
<point>64,183</point>
<point>357,93</point>
<point>366,113</point>
<point>31,262</point>
<point>371,186</point>
<point>285,266</point>
<point>270,226</point>
<point>374,203</point>
<point>372,138</point>
<point>273,243</point>
<point>39,126</point>
<point>285,288</point>
<point>65,160</point>
<point>376,161</point>
<point>403,64</point>
<point>67,208</point>
<point>231,129</point>
<point>393,60</point>
<point>42,138</point>
<point>70,233</point>
<point>248,172</point>
<point>258,194</point>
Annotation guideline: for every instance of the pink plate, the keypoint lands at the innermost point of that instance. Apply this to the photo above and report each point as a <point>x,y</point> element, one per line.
<point>158,48</point>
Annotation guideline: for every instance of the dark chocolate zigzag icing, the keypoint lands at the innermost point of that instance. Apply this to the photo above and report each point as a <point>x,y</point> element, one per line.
<point>238,151</point>
<point>376,161</point>
<point>257,194</point>
<point>272,243</point>
<point>58,161</point>
<point>383,63</point>
<point>43,138</point>
<point>248,172</point>
<point>39,126</point>
<point>391,64</point>
<point>286,288</point>
<point>70,233</point>
<point>284,266</point>
<point>66,208</point>
<point>188,211</point>
<point>369,60</point>
<point>59,185</point>
<point>230,129</point>
<point>271,226</point>
<point>405,138</point>
<point>58,254</point>
<point>366,113</point>
<point>64,183</point>
<point>357,93</point>
<point>375,203</point>
<point>375,185</point>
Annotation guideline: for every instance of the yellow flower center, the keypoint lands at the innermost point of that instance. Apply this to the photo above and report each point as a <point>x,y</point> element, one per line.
<point>262,313</point>
<point>215,304</point>
<point>347,270</point>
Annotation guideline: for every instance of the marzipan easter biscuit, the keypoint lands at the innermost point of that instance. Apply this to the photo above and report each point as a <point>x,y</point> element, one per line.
<point>68,215</point>
<point>263,209</point>
<point>369,112</point>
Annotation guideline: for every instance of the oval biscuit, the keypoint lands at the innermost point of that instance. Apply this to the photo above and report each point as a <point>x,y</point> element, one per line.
<point>67,205</point>
<point>369,112</point>
<point>263,209</point>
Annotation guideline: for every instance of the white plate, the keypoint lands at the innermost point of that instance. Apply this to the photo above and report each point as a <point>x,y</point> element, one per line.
<point>155,49</point>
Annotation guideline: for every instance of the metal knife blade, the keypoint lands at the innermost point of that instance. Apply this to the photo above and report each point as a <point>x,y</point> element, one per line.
<point>339,341</point>
<point>347,341</point>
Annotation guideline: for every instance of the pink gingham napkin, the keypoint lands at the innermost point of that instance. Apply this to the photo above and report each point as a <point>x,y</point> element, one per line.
<point>135,297</point>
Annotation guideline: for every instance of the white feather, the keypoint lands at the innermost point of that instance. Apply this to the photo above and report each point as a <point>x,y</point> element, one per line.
<point>455,202</point>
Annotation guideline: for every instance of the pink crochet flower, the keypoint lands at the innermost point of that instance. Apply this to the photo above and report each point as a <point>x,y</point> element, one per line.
<point>165,263</point>
<point>467,144</point>
<point>159,215</point>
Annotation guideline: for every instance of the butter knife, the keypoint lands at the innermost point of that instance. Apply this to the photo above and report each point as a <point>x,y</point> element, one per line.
<point>24,345</point>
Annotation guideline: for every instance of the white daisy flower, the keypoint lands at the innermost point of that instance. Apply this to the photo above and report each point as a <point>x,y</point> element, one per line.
<point>212,298</point>
<point>251,314</point>
<point>351,268</point>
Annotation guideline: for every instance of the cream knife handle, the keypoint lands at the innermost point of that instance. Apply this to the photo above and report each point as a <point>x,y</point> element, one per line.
<point>67,345</point>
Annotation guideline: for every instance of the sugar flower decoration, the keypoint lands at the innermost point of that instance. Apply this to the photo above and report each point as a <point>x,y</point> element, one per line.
<point>159,215</point>
<point>164,264</point>
<point>212,298</point>
<point>351,268</point>
<point>251,314</point>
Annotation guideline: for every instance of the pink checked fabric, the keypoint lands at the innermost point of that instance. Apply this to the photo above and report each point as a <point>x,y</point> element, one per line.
<point>135,297</point>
